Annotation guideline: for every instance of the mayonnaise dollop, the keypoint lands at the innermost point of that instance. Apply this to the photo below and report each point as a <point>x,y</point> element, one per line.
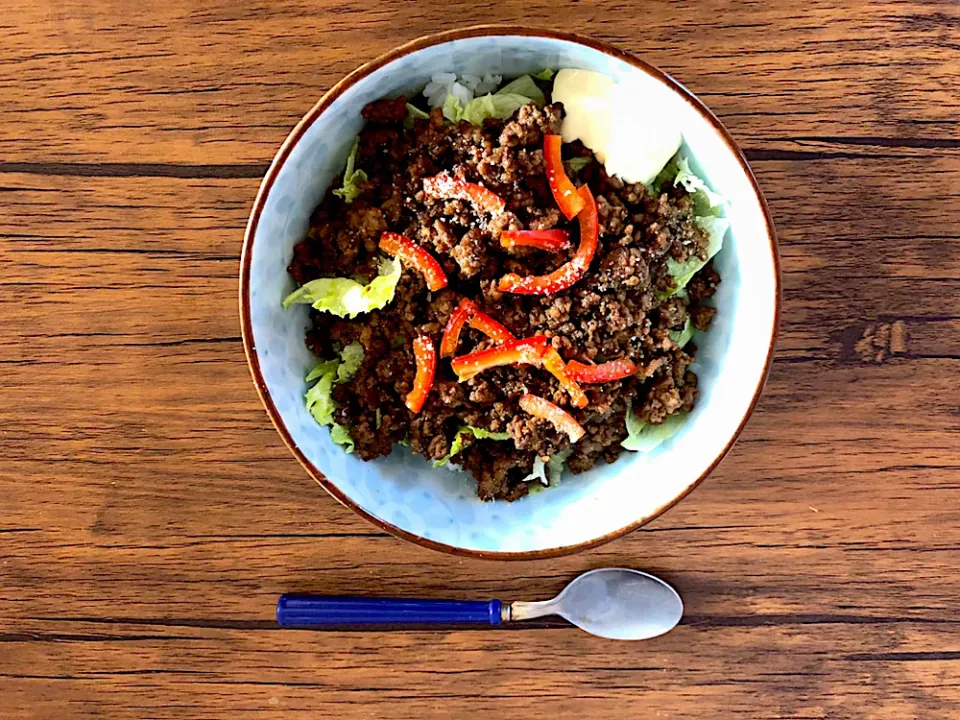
<point>632,140</point>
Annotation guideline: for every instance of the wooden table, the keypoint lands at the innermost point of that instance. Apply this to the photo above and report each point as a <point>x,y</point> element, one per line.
<point>151,515</point>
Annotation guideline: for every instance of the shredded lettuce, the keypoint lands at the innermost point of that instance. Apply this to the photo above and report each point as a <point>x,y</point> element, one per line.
<point>708,207</point>
<point>457,445</point>
<point>341,436</point>
<point>524,86</point>
<point>716,228</point>
<point>642,437</point>
<point>501,104</point>
<point>682,337</point>
<point>539,472</point>
<point>319,398</point>
<point>413,113</point>
<point>705,201</point>
<point>345,297</point>
<point>452,109</point>
<point>350,358</point>
<point>322,369</point>
<point>498,106</point>
<point>351,177</point>
<point>545,74</point>
<point>578,163</point>
<point>320,402</point>
<point>555,465</point>
<point>548,473</point>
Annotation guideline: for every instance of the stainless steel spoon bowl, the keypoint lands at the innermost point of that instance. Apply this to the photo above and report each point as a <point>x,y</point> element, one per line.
<point>616,603</point>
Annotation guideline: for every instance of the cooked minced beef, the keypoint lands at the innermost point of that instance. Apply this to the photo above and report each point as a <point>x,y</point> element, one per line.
<point>612,312</point>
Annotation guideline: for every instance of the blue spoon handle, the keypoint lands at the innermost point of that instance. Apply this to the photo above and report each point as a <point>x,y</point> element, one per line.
<point>317,610</point>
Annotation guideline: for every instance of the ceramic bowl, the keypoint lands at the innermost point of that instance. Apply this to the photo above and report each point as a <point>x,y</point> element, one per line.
<point>438,508</point>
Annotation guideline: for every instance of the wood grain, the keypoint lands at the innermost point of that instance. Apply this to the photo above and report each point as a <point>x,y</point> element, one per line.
<point>149,514</point>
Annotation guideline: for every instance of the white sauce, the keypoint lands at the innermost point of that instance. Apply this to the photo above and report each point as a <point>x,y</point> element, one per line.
<point>631,140</point>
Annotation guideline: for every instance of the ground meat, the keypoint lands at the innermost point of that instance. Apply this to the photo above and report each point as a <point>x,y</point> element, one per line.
<point>673,313</point>
<point>624,307</point>
<point>703,285</point>
<point>386,110</point>
<point>470,253</point>
<point>701,316</point>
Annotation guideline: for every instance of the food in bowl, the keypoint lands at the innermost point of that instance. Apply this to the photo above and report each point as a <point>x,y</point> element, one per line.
<point>507,278</point>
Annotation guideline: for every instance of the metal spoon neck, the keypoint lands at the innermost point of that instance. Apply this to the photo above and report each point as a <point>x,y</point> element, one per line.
<point>512,612</point>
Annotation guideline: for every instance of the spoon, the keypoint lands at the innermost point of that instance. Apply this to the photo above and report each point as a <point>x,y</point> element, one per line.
<point>614,603</point>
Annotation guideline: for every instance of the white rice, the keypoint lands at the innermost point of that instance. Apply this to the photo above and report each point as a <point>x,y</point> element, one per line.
<point>464,89</point>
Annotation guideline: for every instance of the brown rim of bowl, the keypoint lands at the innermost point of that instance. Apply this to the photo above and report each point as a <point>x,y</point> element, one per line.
<point>283,154</point>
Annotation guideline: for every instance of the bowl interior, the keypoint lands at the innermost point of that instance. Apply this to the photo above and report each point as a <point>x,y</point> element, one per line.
<point>440,504</point>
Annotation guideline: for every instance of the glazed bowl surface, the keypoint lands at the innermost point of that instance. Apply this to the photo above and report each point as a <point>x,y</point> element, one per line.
<point>438,507</point>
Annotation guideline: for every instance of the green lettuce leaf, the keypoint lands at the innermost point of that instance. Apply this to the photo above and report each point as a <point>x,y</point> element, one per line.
<point>705,200</point>
<point>539,472</point>
<point>550,474</point>
<point>708,207</point>
<point>682,337</point>
<point>345,297</point>
<point>319,398</point>
<point>327,366</point>
<point>457,445</point>
<point>498,106</point>
<point>351,177</point>
<point>452,109</point>
<point>642,437</point>
<point>413,113</point>
<point>341,436</point>
<point>545,74</point>
<point>525,87</point>
<point>501,104</point>
<point>578,163</point>
<point>555,465</point>
<point>350,358</point>
<point>716,228</point>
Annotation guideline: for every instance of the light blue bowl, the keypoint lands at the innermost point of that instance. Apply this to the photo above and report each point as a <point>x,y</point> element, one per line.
<point>438,508</point>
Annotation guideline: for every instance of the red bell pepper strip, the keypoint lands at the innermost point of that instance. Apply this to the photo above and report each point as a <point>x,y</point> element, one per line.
<point>489,327</point>
<point>426,357</point>
<point>529,351</point>
<point>564,191</point>
<point>552,240</point>
<point>407,250</point>
<point>604,372</point>
<point>448,187</point>
<point>570,272</point>
<point>467,312</point>
<point>558,368</point>
<point>451,332</point>
<point>545,410</point>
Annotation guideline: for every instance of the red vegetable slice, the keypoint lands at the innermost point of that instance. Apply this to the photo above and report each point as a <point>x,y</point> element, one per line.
<point>529,351</point>
<point>426,357</point>
<point>545,410</point>
<point>552,240</point>
<point>604,372</point>
<point>570,272</point>
<point>451,333</point>
<point>558,368</point>
<point>489,327</point>
<point>407,250</point>
<point>564,191</point>
<point>467,312</point>
<point>446,186</point>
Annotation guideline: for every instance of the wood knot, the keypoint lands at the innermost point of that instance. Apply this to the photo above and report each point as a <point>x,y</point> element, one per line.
<point>881,341</point>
